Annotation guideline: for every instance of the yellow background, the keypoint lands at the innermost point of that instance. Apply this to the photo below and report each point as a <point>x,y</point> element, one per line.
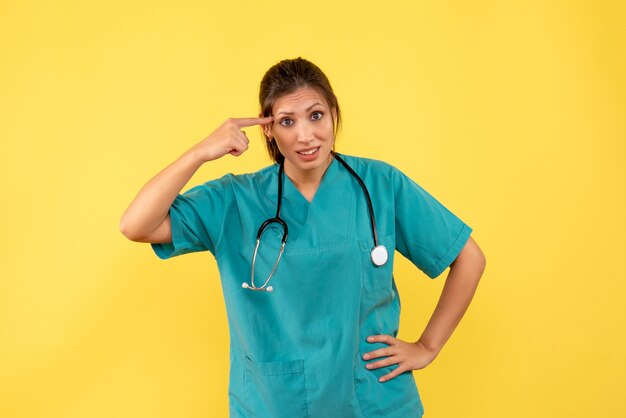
<point>512,114</point>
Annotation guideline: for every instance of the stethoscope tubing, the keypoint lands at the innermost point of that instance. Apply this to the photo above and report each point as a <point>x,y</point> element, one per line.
<point>379,253</point>
<point>370,208</point>
<point>277,219</point>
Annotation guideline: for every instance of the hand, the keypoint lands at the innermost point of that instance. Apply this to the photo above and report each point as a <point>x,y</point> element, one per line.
<point>408,356</point>
<point>228,138</point>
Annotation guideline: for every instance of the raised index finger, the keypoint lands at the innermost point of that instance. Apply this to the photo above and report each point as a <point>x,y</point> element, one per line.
<point>244,122</point>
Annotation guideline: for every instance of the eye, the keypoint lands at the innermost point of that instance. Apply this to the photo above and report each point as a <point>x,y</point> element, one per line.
<point>317,115</point>
<point>286,122</point>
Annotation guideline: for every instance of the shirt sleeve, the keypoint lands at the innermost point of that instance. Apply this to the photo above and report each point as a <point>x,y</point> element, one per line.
<point>197,219</point>
<point>427,233</point>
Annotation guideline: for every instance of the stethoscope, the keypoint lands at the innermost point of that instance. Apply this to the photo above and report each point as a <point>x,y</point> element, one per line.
<point>378,254</point>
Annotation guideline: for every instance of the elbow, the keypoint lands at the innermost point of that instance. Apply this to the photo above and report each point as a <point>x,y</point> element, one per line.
<point>480,259</point>
<point>482,263</point>
<point>127,230</point>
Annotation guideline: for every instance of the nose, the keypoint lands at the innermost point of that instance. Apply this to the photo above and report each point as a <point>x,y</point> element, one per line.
<point>305,132</point>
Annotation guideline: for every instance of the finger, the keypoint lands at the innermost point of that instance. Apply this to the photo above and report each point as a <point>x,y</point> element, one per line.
<point>381,352</point>
<point>396,372</point>
<point>236,152</point>
<point>239,139</point>
<point>243,138</point>
<point>381,363</point>
<point>382,338</point>
<point>245,122</point>
<point>239,147</point>
<point>244,143</point>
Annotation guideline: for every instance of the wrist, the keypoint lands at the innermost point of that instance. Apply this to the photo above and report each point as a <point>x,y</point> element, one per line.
<point>434,348</point>
<point>195,157</point>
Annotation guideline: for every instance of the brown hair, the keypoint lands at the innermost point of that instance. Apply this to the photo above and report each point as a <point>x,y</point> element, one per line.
<point>286,77</point>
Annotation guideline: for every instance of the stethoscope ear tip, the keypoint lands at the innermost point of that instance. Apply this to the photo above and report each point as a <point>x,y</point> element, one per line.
<point>265,289</point>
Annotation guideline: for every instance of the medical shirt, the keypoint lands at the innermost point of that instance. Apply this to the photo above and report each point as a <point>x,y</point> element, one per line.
<point>297,351</point>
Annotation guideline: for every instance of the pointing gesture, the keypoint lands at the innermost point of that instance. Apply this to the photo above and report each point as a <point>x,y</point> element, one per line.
<point>228,138</point>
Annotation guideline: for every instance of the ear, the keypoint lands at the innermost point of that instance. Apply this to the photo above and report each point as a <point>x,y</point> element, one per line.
<point>267,128</point>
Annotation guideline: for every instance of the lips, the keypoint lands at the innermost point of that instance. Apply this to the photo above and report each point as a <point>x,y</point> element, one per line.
<point>308,151</point>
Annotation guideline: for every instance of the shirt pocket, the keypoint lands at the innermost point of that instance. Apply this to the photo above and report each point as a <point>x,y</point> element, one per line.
<point>397,397</point>
<point>377,278</point>
<point>275,389</point>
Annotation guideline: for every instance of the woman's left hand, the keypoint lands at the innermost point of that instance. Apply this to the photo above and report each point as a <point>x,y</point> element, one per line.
<point>408,356</point>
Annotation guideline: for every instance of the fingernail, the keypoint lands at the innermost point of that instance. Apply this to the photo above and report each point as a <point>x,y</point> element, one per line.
<point>368,366</point>
<point>381,380</point>
<point>366,356</point>
<point>370,339</point>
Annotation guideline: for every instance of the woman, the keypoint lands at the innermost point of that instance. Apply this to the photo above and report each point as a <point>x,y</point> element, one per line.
<point>313,327</point>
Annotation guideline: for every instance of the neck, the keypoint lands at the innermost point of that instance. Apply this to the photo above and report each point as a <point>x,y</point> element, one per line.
<point>307,181</point>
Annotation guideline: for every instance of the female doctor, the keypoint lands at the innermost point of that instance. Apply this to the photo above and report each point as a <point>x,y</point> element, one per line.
<point>305,250</point>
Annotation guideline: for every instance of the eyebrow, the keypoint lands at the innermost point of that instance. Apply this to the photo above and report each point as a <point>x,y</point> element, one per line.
<point>307,109</point>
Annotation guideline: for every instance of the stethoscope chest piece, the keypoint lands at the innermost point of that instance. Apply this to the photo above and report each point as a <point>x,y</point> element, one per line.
<point>379,255</point>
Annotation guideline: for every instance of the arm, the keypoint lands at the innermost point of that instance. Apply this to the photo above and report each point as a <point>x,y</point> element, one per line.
<point>147,218</point>
<point>457,293</point>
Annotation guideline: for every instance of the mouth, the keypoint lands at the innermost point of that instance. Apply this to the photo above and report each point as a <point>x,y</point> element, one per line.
<point>308,151</point>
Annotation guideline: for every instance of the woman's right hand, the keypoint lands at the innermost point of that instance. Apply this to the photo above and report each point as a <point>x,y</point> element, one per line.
<point>228,138</point>
<point>147,218</point>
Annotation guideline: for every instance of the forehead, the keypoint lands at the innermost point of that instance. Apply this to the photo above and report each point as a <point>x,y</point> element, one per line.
<point>299,100</point>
